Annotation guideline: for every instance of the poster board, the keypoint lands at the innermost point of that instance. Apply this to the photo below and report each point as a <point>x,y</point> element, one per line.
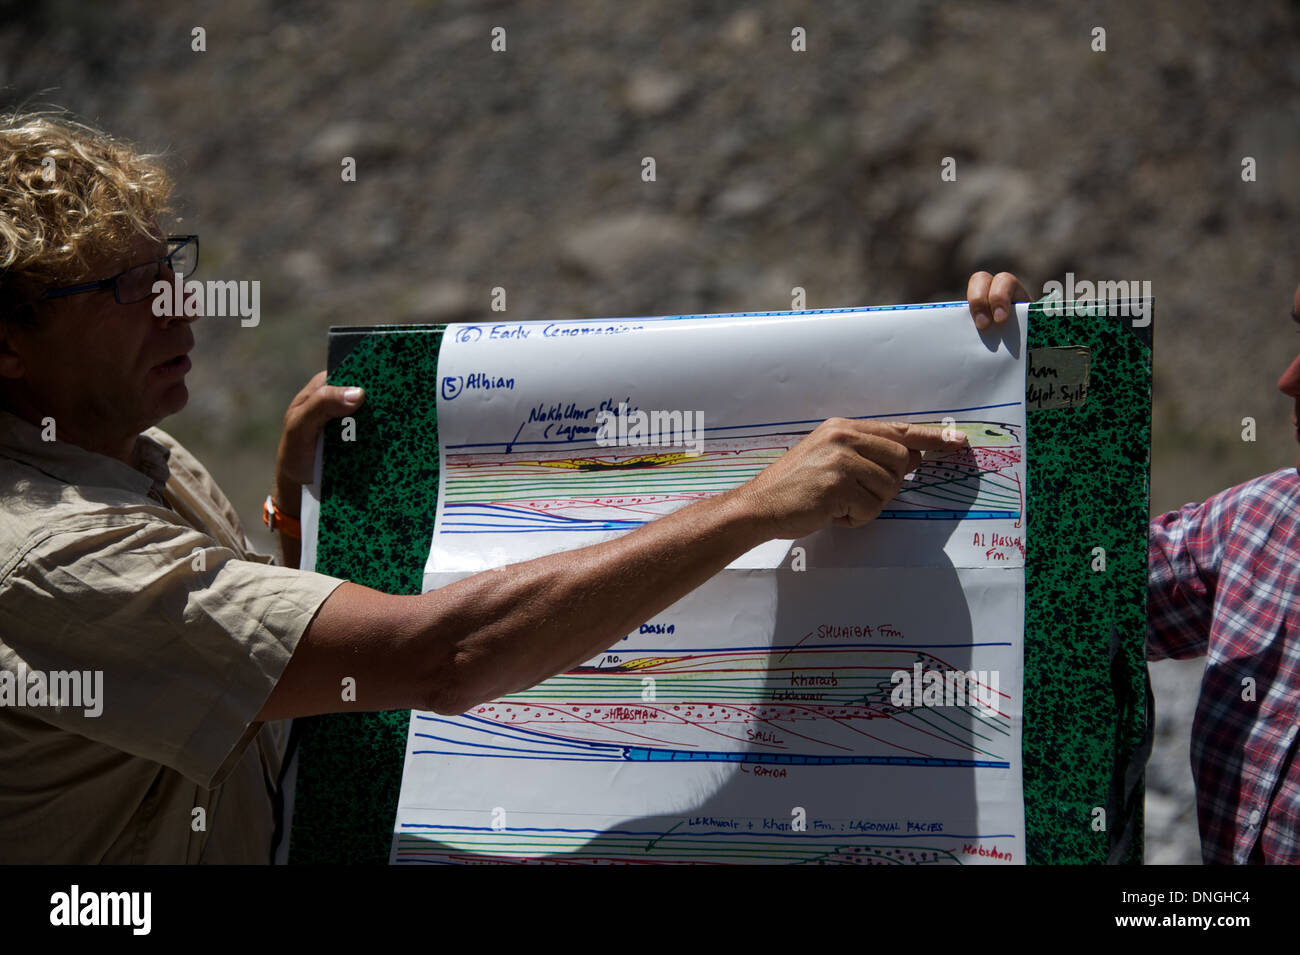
<point>1085,722</point>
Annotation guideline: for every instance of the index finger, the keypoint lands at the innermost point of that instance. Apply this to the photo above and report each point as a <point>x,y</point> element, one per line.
<point>916,437</point>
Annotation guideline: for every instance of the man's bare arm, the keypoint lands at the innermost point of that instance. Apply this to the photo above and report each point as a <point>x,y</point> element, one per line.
<point>508,629</point>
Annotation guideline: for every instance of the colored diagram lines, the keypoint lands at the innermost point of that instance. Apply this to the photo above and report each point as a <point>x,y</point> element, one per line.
<point>620,489</point>
<point>451,845</point>
<point>797,705</point>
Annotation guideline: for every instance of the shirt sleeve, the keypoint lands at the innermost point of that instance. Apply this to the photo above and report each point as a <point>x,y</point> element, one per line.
<point>1185,550</point>
<point>190,639</point>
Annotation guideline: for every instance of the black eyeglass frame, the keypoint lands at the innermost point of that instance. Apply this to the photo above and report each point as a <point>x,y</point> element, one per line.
<point>180,242</point>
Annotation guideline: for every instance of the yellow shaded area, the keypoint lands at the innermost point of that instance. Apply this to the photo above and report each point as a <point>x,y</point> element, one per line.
<point>643,662</point>
<point>670,457</point>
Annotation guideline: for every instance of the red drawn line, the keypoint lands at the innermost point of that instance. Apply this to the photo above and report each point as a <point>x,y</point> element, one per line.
<point>573,718</point>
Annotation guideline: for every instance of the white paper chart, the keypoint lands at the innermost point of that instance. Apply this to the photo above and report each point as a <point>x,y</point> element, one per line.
<point>853,697</point>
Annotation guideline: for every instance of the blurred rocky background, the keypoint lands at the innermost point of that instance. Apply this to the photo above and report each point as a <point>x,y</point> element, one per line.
<point>819,169</point>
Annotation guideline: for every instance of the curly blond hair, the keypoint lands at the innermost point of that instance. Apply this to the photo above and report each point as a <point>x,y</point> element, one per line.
<point>95,197</point>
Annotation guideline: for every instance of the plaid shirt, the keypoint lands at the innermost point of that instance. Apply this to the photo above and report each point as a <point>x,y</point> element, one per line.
<point>1225,582</point>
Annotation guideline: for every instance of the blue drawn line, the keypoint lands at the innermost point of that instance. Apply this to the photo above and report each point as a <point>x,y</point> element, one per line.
<point>510,446</point>
<point>788,314</point>
<point>794,313</point>
<point>684,833</point>
<point>677,756</point>
<point>542,754</point>
<point>494,510</point>
<point>525,735</point>
<point>510,520</point>
<point>503,749</point>
<point>888,515</point>
<point>773,648</point>
<point>554,759</point>
<point>646,754</point>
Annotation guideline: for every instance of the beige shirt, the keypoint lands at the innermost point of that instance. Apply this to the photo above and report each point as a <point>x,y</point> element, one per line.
<point>142,574</point>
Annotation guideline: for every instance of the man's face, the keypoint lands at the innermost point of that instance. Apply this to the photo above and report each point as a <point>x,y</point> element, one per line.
<point>106,371</point>
<point>1289,383</point>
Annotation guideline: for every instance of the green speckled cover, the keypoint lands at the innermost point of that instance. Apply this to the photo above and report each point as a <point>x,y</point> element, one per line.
<point>1085,716</point>
<point>378,495</point>
<point>1086,736</point>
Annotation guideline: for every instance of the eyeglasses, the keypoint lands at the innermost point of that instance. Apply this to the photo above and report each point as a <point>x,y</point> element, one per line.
<point>136,283</point>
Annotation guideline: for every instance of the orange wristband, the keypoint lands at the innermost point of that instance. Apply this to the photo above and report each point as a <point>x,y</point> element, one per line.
<point>277,520</point>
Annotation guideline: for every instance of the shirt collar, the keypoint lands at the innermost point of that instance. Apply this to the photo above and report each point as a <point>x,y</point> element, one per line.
<point>146,475</point>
